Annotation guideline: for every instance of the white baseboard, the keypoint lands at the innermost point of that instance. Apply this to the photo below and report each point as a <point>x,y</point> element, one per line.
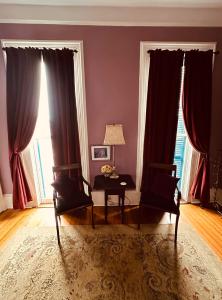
<point>6,202</point>
<point>31,204</point>
<point>131,198</point>
<point>2,204</point>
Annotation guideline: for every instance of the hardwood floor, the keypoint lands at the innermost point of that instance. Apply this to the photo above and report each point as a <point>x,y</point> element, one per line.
<point>207,223</point>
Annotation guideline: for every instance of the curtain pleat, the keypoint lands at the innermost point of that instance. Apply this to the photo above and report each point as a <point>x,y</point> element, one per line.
<point>62,105</point>
<point>162,108</point>
<point>197,100</point>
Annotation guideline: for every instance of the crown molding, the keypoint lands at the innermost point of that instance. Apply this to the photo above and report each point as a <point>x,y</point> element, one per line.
<point>110,16</point>
<point>122,3</point>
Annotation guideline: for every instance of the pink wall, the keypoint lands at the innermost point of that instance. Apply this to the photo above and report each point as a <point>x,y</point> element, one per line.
<point>111,56</point>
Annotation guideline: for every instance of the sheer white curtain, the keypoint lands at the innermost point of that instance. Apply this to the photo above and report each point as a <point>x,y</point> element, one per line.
<point>29,173</point>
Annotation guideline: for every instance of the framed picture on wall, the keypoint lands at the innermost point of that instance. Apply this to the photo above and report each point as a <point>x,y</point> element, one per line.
<point>100,152</point>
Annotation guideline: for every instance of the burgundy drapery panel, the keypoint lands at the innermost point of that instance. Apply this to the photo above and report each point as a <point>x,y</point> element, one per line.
<point>197,115</point>
<point>62,105</point>
<point>162,108</point>
<point>23,86</point>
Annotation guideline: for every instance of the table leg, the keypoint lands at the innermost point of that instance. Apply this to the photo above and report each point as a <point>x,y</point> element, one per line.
<point>122,208</point>
<point>106,202</point>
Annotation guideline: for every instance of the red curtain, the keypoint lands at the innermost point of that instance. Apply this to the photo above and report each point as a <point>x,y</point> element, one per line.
<point>62,105</point>
<point>197,115</point>
<point>162,108</point>
<point>23,86</point>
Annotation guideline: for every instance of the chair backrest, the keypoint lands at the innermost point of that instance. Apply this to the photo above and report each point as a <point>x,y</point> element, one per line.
<point>67,167</point>
<point>161,181</point>
<point>166,167</point>
<point>72,170</point>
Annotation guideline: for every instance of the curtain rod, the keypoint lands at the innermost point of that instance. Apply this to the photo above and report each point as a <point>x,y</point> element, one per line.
<point>215,52</point>
<point>75,51</point>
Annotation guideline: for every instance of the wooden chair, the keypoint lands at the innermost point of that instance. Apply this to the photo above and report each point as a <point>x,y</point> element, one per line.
<point>161,192</point>
<point>69,194</point>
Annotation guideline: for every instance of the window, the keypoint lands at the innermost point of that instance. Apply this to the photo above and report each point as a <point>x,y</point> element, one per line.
<point>181,140</point>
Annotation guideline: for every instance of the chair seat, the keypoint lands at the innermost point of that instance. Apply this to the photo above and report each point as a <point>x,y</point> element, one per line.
<point>155,201</point>
<point>77,201</point>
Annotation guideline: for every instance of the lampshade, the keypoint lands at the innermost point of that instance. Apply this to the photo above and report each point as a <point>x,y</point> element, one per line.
<point>114,135</point>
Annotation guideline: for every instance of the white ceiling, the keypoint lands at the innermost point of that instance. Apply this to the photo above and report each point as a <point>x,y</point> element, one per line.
<point>123,3</point>
<point>202,13</point>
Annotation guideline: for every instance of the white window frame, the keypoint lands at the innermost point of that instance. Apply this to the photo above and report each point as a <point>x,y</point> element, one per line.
<point>143,87</point>
<point>79,86</point>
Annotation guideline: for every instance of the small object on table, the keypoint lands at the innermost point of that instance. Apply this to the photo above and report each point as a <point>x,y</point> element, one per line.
<point>106,170</point>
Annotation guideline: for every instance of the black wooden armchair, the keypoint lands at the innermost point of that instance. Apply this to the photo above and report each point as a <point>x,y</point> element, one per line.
<point>69,194</point>
<point>161,191</point>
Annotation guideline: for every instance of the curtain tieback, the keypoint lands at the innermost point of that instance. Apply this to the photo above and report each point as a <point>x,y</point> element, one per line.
<point>14,155</point>
<point>205,156</point>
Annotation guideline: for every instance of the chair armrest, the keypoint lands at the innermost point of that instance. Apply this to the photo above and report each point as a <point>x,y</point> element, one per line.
<point>88,185</point>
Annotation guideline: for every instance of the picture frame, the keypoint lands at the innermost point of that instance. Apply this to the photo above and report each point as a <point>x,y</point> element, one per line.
<point>100,152</point>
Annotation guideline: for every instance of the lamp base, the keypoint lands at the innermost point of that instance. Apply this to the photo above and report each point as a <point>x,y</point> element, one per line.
<point>114,174</point>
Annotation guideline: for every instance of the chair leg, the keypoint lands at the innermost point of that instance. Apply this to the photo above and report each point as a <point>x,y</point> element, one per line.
<point>176,227</point>
<point>59,219</point>
<point>139,216</point>
<point>93,225</point>
<point>57,228</point>
<point>106,208</point>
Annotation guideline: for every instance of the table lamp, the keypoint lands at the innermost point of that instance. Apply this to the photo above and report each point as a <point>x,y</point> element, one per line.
<point>114,136</point>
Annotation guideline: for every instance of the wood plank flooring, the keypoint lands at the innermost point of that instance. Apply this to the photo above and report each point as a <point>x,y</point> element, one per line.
<point>206,222</point>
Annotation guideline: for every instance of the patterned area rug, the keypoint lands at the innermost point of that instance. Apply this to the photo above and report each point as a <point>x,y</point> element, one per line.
<point>111,262</point>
